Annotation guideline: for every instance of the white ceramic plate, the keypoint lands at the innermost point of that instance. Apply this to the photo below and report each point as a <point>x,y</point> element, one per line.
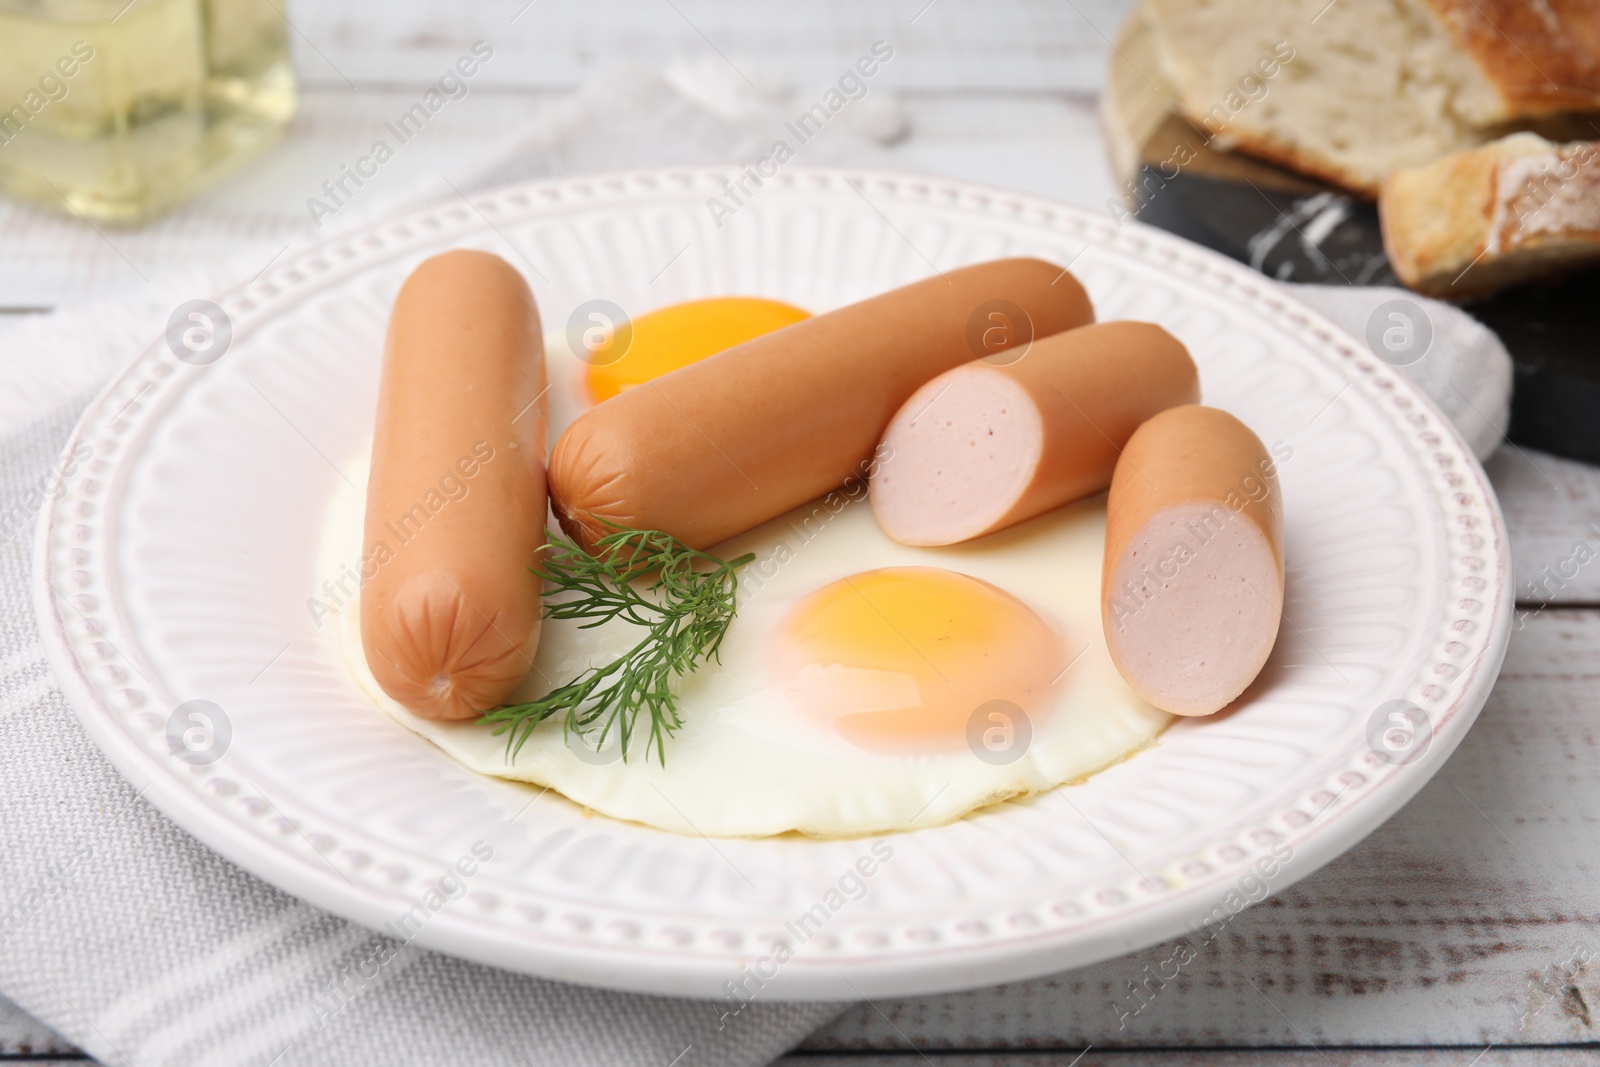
<point>177,565</point>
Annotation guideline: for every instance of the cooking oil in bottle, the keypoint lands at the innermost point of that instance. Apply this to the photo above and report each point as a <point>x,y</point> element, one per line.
<point>118,110</point>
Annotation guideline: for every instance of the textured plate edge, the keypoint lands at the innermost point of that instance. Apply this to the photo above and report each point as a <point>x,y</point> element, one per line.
<point>951,966</point>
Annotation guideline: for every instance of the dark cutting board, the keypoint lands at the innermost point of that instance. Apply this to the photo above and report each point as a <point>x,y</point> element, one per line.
<point>1555,406</point>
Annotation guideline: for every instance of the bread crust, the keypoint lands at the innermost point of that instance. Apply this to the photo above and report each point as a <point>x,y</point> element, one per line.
<point>1541,56</point>
<point>1509,64</point>
<point>1263,144</point>
<point>1477,221</point>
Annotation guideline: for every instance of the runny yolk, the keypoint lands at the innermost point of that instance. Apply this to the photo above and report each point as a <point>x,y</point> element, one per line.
<point>680,334</point>
<point>911,660</point>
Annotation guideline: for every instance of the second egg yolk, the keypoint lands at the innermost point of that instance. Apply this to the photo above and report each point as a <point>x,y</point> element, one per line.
<point>675,336</point>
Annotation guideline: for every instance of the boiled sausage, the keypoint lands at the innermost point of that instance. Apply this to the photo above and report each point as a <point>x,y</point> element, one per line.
<point>723,445</point>
<point>986,445</point>
<point>1192,584</point>
<point>456,503</point>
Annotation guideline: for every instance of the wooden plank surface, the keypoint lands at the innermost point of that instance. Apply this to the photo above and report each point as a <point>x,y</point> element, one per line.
<point>1326,1056</point>
<point>21,1035</point>
<point>939,44</point>
<point>1552,506</point>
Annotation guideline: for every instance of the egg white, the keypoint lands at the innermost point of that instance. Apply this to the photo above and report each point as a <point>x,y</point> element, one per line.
<point>745,763</point>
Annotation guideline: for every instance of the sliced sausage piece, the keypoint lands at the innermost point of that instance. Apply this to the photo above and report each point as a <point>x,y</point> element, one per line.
<point>1192,587</point>
<point>717,447</point>
<point>985,446</point>
<point>456,502</point>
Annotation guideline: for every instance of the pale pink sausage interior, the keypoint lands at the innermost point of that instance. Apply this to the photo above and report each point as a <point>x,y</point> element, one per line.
<point>1195,607</point>
<point>959,453</point>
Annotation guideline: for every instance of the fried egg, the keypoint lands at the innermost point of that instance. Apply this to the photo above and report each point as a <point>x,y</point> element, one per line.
<point>864,686</point>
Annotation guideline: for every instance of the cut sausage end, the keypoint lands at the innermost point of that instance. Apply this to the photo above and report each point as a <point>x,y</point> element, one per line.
<point>1192,609</point>
<point>986,446</point>
<point>957,456</point>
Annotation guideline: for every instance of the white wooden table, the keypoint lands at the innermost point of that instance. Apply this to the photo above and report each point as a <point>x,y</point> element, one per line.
<point>1444,937</point>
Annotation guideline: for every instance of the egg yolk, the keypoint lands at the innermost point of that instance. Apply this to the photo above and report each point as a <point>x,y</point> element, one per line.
<point>904,660</point>
<point>675,336</point>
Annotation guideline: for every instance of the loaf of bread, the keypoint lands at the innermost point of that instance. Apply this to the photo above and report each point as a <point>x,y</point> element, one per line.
<point>1475,221</point>
<point>1349,90</point>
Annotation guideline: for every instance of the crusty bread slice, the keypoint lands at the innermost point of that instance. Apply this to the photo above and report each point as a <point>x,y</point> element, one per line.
<point>1142,126</point>
<point>1373,85</point>
<point>1542,56</point>
<point>1479,220</point>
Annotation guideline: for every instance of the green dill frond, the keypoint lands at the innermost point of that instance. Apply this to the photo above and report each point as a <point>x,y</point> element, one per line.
<point>692,600</point>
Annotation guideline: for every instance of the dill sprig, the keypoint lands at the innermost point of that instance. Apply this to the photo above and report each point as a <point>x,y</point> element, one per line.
<point>685,608</point>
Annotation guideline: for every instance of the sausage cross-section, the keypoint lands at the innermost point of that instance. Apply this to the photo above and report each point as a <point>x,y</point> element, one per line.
<point>723,445</point>
<point>986,446</point>
<point>456,502</point>
<point>1192,584</point>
